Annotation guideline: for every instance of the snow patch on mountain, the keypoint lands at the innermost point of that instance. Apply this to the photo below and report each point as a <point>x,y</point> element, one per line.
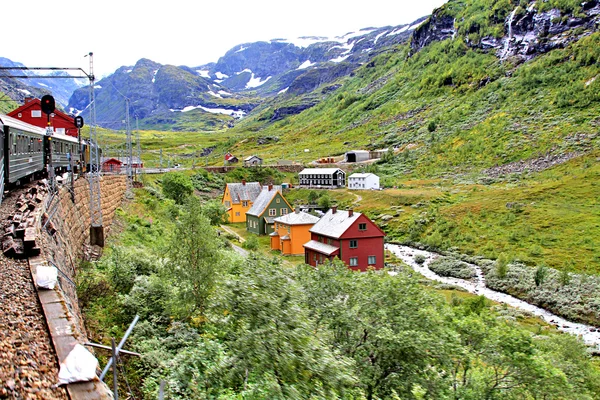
<point>306,64</point>
<point>256,82</point>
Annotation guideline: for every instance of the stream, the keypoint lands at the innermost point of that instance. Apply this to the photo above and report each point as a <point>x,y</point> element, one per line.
<point>589,334</point>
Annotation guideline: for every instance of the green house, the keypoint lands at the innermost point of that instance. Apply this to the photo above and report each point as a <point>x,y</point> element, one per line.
<point>269,205</point>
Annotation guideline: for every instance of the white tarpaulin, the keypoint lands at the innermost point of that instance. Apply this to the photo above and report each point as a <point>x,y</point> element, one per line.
<point>79,366</point>
<point>46,277</point>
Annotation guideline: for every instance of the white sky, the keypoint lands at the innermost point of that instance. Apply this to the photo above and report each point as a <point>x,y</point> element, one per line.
<point>177,32</point>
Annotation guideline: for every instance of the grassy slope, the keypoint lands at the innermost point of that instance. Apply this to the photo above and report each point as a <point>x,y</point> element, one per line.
<point>453,112</point>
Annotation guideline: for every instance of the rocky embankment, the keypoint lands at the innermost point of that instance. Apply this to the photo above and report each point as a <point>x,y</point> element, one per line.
<point>28,363</point>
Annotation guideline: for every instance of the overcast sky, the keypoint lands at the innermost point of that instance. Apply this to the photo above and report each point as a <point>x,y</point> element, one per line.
<point>179,32</point>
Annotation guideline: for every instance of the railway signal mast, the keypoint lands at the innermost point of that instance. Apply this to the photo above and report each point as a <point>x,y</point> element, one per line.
<point>96,228</point>
<point>48,107</point>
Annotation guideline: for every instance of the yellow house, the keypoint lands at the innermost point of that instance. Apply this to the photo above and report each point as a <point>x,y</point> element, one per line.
<point>291,232</point>
<point>239,198</point>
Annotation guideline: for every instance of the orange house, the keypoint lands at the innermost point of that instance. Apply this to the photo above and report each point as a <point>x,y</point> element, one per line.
<point>291,232</point>
<point>238,199</point>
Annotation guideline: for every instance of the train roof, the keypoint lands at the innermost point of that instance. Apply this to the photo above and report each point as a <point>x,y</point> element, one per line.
<point>24,126</point>
<point>66,138</point>
<point>18,124</point>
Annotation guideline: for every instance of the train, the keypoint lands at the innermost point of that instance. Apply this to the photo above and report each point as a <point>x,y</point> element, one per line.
<point>26,152</point>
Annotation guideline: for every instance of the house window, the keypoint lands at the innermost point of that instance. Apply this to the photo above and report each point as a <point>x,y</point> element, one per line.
<point>245,203</point>
<point>362,227</point>
<point>354,261</point>
<point>36,113</point>
<point>353,244</point>
<point>272,212</point>
<point>278,200</point>
<point>372,260</point>
<point>237,214</point>
<point>283,211</point>
<point>227,204</point>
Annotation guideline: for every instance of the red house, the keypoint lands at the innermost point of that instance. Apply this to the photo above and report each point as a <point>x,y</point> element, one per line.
<point>350,236</point>
<point>111,165</point>
<point>31,112</point>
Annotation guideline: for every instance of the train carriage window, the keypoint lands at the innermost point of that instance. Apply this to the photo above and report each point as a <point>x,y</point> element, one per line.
<point>13,144</point>
<point>30,145</point>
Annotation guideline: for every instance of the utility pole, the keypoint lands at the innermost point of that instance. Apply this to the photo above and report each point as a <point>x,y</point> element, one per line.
<point>129,148</point>
<point>139,146</point>
<point>96,228</point>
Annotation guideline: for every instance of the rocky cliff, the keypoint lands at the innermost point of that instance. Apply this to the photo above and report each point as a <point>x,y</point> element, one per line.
<point>521,30</point>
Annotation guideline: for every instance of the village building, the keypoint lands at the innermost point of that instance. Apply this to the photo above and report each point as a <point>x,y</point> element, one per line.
<point>363,181</point>
<point>331,178</point>
<point>239,198</point>
<point>269,204</point>
<point>350,236</point>
<point>117,164</point>
<point>252,161</point>
<point>291,232</point>
<point>31,112</point>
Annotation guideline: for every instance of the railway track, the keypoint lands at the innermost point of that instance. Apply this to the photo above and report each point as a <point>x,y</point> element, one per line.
<point>28,362</point>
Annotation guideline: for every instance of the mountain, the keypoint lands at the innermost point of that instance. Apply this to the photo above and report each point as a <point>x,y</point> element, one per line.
<point>448,101</point>
<point>36,85</point>
<point>234,85</point>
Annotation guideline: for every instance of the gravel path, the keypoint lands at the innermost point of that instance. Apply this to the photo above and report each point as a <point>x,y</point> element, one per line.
<point>28,363</point>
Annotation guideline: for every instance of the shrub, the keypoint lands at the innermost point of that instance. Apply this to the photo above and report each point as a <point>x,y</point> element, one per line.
<point>251,243</point>
<point>177,186</point>
<point>447,266</point>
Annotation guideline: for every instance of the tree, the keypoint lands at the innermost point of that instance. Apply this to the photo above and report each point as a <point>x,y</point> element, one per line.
<point>325,201</point>
<point>502,265</point>
<point>195,260</point>
<point>388,325</point>
<point>277,352</point>
<point>177,186</point>
<point>215,211</point>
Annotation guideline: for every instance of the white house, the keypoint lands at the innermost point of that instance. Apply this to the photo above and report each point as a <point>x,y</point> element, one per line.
<point>363,181</point>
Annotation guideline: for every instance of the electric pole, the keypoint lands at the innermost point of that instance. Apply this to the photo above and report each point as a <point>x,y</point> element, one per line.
<point>129,147</point>
<point>96,228</point>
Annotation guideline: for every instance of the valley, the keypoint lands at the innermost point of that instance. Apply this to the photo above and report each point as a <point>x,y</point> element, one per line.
<point>490,115</point>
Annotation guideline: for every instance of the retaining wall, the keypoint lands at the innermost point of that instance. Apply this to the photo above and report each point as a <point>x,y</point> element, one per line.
<point>64,247</point>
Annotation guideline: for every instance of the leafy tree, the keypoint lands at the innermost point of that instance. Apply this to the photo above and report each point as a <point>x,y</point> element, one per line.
<point>540,275</point>
<point>177,186</point>
<point>502,265</point>
<point>215,211</point>
<point>325,201</point>
<point>195,260</point>
<point>313,196</point>
<point>386,324</point>
<point>276,350</point>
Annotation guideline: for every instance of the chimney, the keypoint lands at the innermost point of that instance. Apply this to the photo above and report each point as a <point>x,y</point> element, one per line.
<point>244,182</point>
<point>333,209</point>
<point>297,210</point>
<point>27,99</point>
<point>270,187</point>
<point>350,212</point>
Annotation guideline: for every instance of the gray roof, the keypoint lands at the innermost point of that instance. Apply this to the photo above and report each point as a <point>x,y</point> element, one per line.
<point>322,171</point>
<point>359,175</point>
<point>323,248</point>
<point>334,224</point>
<point>297,218</point>
<point>245,192</point>
<point>263,200</point>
